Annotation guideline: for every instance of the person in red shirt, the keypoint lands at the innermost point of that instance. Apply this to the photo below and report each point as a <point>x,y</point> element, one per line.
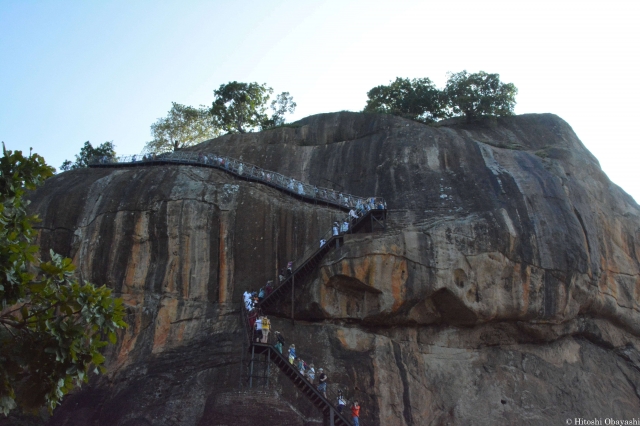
<point>355,413</point>
<point>253,316</point>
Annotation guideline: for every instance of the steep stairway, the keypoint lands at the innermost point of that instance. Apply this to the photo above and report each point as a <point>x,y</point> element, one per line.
<point>372,215</point>
<point>329,411</point>
<point>302,268</point>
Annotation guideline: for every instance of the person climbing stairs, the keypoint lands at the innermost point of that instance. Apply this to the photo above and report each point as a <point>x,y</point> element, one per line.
<point>365,214</point>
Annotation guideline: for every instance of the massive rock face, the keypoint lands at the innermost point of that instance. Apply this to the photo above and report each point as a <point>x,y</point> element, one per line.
<point>505,289</point>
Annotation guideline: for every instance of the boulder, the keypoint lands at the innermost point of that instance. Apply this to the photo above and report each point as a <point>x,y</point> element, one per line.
<point>504,289</point>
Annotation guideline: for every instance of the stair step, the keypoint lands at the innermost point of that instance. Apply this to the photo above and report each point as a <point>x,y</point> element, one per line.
<point>283,291</point>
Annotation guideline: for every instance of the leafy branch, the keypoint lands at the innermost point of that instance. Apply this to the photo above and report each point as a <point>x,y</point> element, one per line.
<point>53,326</point>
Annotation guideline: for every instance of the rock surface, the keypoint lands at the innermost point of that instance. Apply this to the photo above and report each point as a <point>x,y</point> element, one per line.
<point>505,289</point>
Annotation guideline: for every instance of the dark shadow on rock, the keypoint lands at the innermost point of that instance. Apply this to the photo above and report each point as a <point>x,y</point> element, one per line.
<point>452,310</point>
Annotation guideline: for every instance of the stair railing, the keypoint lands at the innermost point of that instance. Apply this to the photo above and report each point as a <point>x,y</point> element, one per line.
<point>312,251</point>
<point>244,170</point>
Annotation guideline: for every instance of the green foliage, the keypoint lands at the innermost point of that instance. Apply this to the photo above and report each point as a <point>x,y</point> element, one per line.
<point>286,125</point>
<point>88,152</point>
<point>416,99</point>
<point>283,104</point>
<point>471,95</point>
<point>52,327</point>
<point>241,107</point>
<point>479,94</point>
<point>182,127</point>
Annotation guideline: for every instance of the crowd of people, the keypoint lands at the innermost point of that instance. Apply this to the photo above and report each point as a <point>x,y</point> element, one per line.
<point>258,322</point>
<point>309,372</point>
<point>241,168</point>
<point>261,326</point>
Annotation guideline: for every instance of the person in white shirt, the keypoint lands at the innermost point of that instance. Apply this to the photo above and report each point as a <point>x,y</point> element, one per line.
<point>341,402</point>
<point>259,329</point>
<point>247,300</point>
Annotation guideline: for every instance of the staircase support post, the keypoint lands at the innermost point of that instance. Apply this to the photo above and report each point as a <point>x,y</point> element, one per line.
<point>243,349</point>
<point>293,285</point>
<point>268,356</point>
<point>293,275</point>
<point>253,351</point>
<point>331,417</point>
<point>265,370</point>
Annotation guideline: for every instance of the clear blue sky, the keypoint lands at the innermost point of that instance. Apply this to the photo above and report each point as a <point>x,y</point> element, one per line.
<point>105,70</point>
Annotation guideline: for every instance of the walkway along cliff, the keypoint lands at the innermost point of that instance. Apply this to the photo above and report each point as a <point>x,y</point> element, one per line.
<point>504,288</point>
<point>365,211</point>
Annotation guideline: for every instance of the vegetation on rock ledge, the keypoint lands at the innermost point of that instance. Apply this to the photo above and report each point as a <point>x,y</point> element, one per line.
<point>87,152</point>
<point>465,94</point>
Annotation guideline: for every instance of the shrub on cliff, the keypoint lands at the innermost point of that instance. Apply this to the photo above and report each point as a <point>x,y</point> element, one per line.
<point>242,107</point>
<point>183,126</point>
<point>471,95</point>
<point>52,327</point>
<point>416,99</point>
<point>87,153</point>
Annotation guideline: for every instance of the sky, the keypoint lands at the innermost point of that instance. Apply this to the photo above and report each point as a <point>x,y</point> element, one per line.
<point>72,71</point>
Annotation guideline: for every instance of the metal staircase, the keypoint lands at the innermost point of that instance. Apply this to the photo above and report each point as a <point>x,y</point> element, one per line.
<point>329,411</point>
<point>368,222</point>
<point>271,355</point>
<point>372,216</point>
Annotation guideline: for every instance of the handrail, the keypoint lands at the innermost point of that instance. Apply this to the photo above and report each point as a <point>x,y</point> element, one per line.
<point>311,385</point>
<point>246,171</point>
<point>310,253</point>
<point>249,336</point>
<point>272,349</point>
<point>247,326</point>
<point>331,394</point>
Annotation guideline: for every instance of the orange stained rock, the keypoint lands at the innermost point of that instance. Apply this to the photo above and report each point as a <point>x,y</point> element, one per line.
<point>223,261</point>
<point>383,272</point>
<point>179,333</point>
<point>396,249</point>
<point>398,280</point>
<point>365,270</point>
<point>129,336</point>
<point>166,315</point>
<point>185,267</point>
<point>342,338</point>
<point>138,266</point>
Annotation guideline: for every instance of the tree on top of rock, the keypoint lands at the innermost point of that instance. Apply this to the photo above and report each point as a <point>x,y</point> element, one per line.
<point>88,153</point>
<point>183,126</point>
<point>416,99</point>
<point>283,104</point>
<point>242,107</point>
<point>473,95</point>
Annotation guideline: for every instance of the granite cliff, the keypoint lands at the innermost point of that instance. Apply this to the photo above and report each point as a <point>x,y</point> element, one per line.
<point>505,289</point>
